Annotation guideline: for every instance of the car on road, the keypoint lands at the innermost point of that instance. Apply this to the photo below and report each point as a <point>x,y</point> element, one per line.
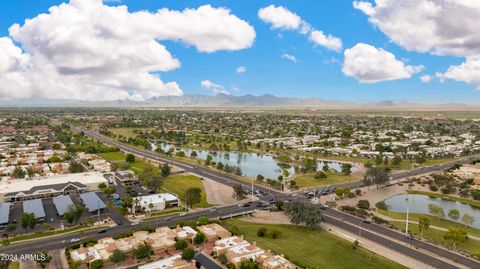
<point>195,167</point>
<point>75,240</point>
<point>167,218</point>
<point>213,209</point>
<point>135,223</point>
<point>367,221</point>
<point>102,231</point>
<point>183,214</point>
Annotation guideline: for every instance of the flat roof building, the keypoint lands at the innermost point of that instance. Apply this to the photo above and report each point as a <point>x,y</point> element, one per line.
<point>62,203</point>
<point>35,207</point>
<point>44,187</point>
<point>157,202</point>
<point>92,201</point>
<point>4,212</point>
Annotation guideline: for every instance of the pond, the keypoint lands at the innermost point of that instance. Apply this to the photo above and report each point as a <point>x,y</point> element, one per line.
<point>251,164</point>
<point>419,204</point>
<point>336,166</point>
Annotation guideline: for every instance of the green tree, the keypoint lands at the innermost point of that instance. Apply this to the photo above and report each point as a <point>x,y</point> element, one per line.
<point>10,227</point>
<point>249,264</point>
<point>75,167</point>
<point>467,220</point>
<point>43,258</point>
<point>436,210</point>
<point>102,186</point>
<point>165,170</point>
<point>238,191</point>
<point>346,169</point>
<point>96,264</point>
<point>455,235</point>
<point>279,204</point>
<point>261,232</point>
<point>118,256</point>
<point>181,244</point>
<point>193,196</point>
<point>397,160</point>
<point>454,214</point>
<point>199,238</point>
<point>18,172</point>
<point>188,254</point>
<point>423,223</point>
<point>142,252</point>
<point>130,158</point>
<point>28,220</point>
<point>376,175</point>
<point>155,183</point>
<point>363,204</point>
<point>260,177</point>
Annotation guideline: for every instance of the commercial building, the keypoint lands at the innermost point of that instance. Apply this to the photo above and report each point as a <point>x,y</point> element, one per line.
<point>44,187</point>
<point>156,202</point>
<point>62,203</point>
<point>4,212</point>
<point>92,201</point>
<point>35,207</point>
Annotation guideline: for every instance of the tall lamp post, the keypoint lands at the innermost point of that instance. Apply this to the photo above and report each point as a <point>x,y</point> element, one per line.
<point>406,222</point>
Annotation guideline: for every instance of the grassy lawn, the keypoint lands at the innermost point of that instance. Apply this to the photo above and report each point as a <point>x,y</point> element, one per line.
<point>332,178</point>
<point>179,184</point>
<point>471,246</point>
<point>118,158</point>
<point>448,197</point>
<point>442,223</point>
<point>128,132</point>
<point>313,249</point>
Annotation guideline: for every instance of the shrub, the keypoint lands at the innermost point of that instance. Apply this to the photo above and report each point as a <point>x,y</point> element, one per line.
<point>379,220</point>
<point>358,192</point>
<point>181,244</point>
<point>381,205</point>
<point>347,208</point>
<point>262,231</point>
<point>433,187</point>
<point>188,254</point>
<point>223,259</point>
<point>199,238</point>
<point>96,264</point>
<point>363,204</point>
<point>274,234</point>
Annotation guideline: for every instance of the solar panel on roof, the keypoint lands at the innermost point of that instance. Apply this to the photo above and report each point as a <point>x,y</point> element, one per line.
<point>92,201</point>
<point>35,207</point>
<point>4,212</point>
<point>62,203</point>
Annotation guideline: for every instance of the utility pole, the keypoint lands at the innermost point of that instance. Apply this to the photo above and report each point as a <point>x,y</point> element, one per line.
<point>406,223</point>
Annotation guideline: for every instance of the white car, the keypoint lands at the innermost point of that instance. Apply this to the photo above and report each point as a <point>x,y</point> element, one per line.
<point>74,240</point>
<point>135,223</point>
<point>183,214</point>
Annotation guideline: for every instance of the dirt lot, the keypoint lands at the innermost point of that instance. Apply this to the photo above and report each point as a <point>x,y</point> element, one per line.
<point>268,217</point>
<point>217,193</point>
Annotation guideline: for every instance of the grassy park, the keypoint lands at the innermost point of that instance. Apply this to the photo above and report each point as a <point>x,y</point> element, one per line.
<point>312,249</point>
<point>179,184</point>
<point>309,180</point>
<point>118,158</point>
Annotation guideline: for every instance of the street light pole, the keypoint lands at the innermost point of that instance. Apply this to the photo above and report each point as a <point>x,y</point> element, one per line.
<point>406,223</point>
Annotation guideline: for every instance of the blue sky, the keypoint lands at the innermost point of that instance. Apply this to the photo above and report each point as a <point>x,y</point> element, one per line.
<point>318,70</point>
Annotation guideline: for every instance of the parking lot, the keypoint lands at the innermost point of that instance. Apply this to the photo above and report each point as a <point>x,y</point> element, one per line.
<point>51,217</point>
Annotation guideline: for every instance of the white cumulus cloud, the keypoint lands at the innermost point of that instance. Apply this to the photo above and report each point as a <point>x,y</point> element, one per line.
<point>426,78</point>
<point>328,41</point>
<point>369,64</point>
<point>86,50</point>
<point>241,69</point>
<point>280,17</point>
<point>468,72</point>
<point>216,88</point>
<point>445,27</point>
<point>289,57</point>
